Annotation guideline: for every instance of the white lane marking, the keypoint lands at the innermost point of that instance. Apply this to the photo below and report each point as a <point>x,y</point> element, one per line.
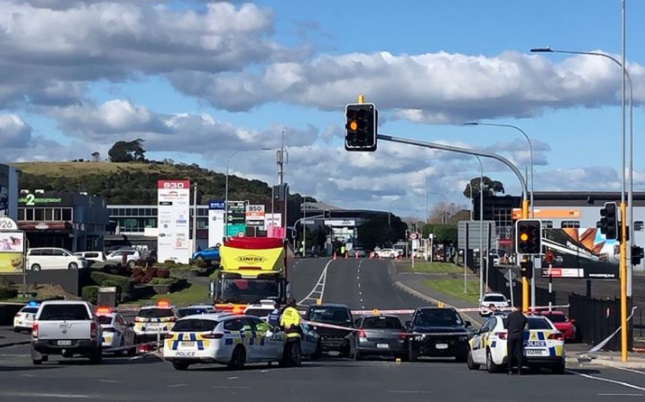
<point>14,355</point>
<point>359,284</point>
<point>175,385</point>
<point>630,370</point>
<point>48,395</point>
<point>360,293</point>
<point>228,387</point>
<point>109,381</point>
<point>409,392</point>
<point>319,287</point>
<point>28,375</point>
<point>621,394</point>
<point>232,378</point>
<point>622,383</point>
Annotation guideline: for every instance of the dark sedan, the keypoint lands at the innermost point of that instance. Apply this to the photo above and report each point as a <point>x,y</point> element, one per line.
<point>378,335</point>
<point>438,332</point>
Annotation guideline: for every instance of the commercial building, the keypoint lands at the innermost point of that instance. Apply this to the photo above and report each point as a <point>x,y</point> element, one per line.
<point>75,221</point>
<point>9,191</point>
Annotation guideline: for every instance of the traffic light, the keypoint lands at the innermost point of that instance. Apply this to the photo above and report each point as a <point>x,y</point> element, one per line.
<point>528,236</point>
<point>608,223</point>
<point>361,126</point>
<point>326,214</point>
<point>526,269</point>
<point>637,255</point>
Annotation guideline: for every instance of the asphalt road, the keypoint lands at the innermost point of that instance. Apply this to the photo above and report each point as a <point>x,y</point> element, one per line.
<point>150,379</point>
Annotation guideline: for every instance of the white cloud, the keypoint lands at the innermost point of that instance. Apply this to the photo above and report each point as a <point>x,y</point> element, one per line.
<point>14,133</point>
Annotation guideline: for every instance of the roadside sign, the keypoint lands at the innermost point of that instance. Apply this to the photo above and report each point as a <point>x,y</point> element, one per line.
<point>254,215</point>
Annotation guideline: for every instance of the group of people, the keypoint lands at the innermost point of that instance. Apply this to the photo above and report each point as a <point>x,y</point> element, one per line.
<point>287,318</point>
<point>515,323</point>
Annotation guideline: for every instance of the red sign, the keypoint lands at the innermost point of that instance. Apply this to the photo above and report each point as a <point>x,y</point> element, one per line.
<point>173,184</point>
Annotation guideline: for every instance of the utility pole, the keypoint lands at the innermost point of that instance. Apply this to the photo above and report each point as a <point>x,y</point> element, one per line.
<point>194,218</point>
<point>282,159</point>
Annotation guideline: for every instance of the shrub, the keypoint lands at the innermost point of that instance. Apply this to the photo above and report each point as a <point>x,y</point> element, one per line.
<point>152,271</point>
<point>121,281</point>
<point>161,281</point>
<point>169,263</point>
<point>163,273</point>
<point>90,294</point>
<point>137,271</point>
<point>8,293</point>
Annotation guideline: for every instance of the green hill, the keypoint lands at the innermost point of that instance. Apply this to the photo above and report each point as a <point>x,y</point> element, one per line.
<point>136,182</point>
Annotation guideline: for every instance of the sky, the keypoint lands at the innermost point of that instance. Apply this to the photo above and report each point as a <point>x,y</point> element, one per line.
<point>218,83</point>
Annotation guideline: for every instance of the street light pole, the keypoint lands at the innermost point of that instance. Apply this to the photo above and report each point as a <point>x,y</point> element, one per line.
<point>481,230</point>
<point>194,217</point>
<point>625,249</point>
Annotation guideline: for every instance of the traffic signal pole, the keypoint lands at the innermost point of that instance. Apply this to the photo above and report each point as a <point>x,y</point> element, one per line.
<point>525,280</point>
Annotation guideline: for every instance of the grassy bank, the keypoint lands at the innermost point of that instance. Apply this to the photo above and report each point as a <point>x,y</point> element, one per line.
<point>455,288</point>
<point>193,294</point>
<point>432,267</point>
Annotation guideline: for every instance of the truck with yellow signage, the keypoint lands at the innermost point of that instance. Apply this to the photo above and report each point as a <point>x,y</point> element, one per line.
<point>252,269</point>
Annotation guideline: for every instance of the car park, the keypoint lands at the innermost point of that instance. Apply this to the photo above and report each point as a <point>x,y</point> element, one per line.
<point>378,335</point>
<point>230,339</point>
<point>24,319</point>
<point>438,332</point>
<point>117,332</point>
<point>543,345</point>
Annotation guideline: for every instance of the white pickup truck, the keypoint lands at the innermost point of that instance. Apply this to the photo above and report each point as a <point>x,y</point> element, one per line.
<point>67,328</point>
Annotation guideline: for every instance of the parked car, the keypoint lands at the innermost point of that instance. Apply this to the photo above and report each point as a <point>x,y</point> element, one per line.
<point>497,299</point>
<point>207,254</point>
<point>381,335</point>
<point>43,258</point>
<point>357,252</point>
<point>387,253</point>
<point>333,341</point>
<point>563,323</point>
<point>438,332</point>
<point>131,257</point>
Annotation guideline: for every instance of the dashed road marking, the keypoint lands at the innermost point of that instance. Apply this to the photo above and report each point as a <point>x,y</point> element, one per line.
<point>592,377</point>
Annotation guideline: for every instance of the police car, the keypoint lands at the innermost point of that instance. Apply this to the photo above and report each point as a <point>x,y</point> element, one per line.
<point>261,309</point>
<point>117,332</point>
<point>543,345</point>
<point>24,319</point>
<point>195,309</point>
<point>155,320</point>
<point>225,338</point>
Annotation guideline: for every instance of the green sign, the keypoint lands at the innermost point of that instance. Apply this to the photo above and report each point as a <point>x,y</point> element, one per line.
<point>30,200</point>
<point>233,230</point>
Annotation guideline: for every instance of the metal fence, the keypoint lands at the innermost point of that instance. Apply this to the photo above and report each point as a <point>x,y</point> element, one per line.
<point>596,319</point>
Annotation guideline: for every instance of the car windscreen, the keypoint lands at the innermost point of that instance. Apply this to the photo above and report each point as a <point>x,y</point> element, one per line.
<point>258,312</point>
<point>70,312</point>
<point>437,317</point>
<point>194,325</point>
<point>155,313</point>
<point>29,310</point>
<point>495,298</point>
<point>183,312</point>
<point>382,323</point>
<point>556,317</point>
<point>337,315</point>
<point>105,319</point>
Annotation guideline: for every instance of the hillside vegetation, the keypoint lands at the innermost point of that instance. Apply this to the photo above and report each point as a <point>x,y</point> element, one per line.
<point>135,182</point>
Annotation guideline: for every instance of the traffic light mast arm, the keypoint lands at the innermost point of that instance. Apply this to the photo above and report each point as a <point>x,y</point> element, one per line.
<point>467,151</point>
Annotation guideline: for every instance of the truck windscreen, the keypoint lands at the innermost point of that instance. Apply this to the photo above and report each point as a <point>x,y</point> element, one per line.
<point>248,290</point>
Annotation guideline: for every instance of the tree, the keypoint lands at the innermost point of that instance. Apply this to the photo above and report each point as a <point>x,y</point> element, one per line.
<point>127,151</point>
<point>490,187</point>
<point>375,231</point>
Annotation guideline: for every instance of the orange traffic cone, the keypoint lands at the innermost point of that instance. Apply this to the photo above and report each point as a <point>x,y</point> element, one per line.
<point>334,255</point>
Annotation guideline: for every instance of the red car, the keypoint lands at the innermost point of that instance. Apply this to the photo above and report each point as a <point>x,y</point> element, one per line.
<point>563,323</point>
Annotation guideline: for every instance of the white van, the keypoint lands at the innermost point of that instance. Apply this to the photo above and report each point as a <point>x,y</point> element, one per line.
<point>53,258</point>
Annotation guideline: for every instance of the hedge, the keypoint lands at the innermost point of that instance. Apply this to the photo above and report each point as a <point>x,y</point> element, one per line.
<point>122,282</point>
<point>90,294</point>
<point>8,293</point>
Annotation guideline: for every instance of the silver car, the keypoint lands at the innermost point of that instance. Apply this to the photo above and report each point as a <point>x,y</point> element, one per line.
<point>378,335</point>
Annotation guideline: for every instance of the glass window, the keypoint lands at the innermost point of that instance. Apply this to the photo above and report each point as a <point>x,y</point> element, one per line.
<point>330,315</point>
<point>67,214</point>
<point>155,313</point>
<point>60,312</point>
<point>556,317</point>
<point>494,298</point>
<point>39,214</point>
<point>437,317</point>
<point>29,214</point>
<point>382,323</point>
<point>49,214</point>
<point>233,325</point>
<point>21,214</point>
<point>105,320</point>
<point>570,224</point>
<point>539,323</point>
<point>57,214</point>
<point>547,224</point>
<point>194,325</point>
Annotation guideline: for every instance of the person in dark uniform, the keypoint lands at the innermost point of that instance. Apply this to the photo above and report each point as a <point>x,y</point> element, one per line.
<point>515,324</point>
<point>274,316</point>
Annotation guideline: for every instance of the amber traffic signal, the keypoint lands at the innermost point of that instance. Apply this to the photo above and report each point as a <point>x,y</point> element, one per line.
<point>360,127</point>
<point>528,236</point>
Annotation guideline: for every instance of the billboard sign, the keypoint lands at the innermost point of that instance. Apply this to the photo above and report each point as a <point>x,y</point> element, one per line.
<point>579,253</point>
<point>235,218</point>
<point>255,215</point>
<point>215,222</point>
<point>173,217</point>
<point>12,247</point>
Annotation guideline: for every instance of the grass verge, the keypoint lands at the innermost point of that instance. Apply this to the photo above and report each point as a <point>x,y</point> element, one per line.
<point>434,267</point>
<point>455,288</point>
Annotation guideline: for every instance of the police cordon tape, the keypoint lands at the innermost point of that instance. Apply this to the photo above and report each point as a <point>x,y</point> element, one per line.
<point>468,309</point>
<point>410,334</point>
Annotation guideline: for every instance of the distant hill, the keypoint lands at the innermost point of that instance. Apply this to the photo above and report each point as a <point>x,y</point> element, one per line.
<point>136,182</point>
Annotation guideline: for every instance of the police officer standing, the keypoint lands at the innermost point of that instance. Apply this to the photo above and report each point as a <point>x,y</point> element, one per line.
<point>274,316</point>
<point>290,319</point>
<point>515,324</point>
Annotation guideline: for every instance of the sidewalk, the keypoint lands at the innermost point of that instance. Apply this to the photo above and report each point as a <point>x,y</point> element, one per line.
<point>576,352</point>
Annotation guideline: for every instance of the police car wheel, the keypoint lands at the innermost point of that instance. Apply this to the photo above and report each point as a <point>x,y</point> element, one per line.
<point>237,359</point>
<point>559,369</point>
<point>96,355</point>
<point>469,361</point>
<point>490,364</point>
<point>181,366</point>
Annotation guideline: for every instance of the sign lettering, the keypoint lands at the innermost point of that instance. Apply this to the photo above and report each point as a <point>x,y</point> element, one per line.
<point>31,200</point>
